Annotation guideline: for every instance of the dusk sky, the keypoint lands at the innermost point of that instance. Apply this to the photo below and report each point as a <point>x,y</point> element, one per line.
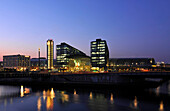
<point>132,28</point>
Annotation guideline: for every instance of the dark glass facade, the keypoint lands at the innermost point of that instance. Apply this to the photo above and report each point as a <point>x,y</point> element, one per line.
<point>99,55</point>
<point>63,51</point>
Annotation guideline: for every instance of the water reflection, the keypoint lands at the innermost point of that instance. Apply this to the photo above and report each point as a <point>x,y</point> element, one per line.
<point>24,91</point>
<point>91,95</point>
<point>94,100</point>
<point>50,102</point>
<point>111,99</point>
<point>39,104</point>
<point>135,103</point>
<point>64,97</point>
<point>44,95</point>
<point>161,108</point>
<point>169,87</point>
<point>98,103</point>
<point>157,91</point>
<point>76,97</point>
<point>75,92</point>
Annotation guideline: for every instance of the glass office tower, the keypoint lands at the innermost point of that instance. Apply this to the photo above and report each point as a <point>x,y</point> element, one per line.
<point>50,53</point>
<point>63,51</point>
<point>99,55</point>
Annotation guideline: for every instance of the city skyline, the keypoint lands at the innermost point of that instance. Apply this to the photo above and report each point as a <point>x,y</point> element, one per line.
<point>131,29</point>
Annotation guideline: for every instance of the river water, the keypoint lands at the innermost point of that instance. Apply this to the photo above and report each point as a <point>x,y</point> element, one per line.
<point>24,98</point>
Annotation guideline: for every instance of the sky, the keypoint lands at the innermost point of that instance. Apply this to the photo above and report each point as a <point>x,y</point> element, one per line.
<point>132,28</point>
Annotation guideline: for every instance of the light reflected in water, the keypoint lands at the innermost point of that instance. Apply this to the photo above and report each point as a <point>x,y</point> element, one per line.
<point>11,101</point>
<point>52,94</point>
<point>49,102</point>
<point>39,104</point>
<point>135,102</point>
<point>157,91</point>
<point>64,97</point>
<point>91,95</point>
<point>161,107</point>
<point>44,95</point>
<point>22,91</point>
<point>169,87</point>
<point>75,92</point>
<point>111,98</point>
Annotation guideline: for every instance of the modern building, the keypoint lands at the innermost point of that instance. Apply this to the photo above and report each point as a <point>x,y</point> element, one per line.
<point>79,63</point>
<point>37,63</point>
<point>99,55</point>
<point>63,51</point>
<point>16,62</point>
<point>1,65</point>
<point>50,53</point>
<point>133,64</point>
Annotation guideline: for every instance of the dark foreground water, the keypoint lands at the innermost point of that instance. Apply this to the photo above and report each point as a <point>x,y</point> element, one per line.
<point>24,98</point>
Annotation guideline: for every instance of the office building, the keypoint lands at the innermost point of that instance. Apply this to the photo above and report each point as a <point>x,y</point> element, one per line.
<point>63,51</point>
<point>99,55</point>
<point>17,62</point>
<point>50,53</point>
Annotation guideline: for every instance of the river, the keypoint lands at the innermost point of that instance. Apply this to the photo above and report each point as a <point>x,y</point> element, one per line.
<point>25,98</point>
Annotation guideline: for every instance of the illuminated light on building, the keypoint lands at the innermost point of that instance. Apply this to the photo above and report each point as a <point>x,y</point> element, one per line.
<point>22,91</point>
<point>135,102</point>
<point>50,53</point>
<point>99,54</point>
<point>161,108</point>
<point>91,95</point>
<point>111,98</point>
<point>39,104</point>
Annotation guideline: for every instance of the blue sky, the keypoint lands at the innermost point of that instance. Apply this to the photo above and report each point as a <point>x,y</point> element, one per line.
<point>132,28</point>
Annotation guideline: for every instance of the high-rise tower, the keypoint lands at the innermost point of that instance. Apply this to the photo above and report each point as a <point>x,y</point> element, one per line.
<point>99,55</point>
<point>50,53</point>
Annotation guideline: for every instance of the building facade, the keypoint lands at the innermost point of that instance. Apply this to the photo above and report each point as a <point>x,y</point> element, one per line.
<point>1,65</point>
<point>99,55</point>
<point>133,64</point>
<point>17,62</point>
<point>38,63</point>
<point>63,51</point>
<point>50,53</point>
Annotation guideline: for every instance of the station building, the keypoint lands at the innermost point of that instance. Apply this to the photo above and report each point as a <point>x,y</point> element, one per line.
<point>132,64</point>
<point>64,52</point>
<point>79,63</point>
